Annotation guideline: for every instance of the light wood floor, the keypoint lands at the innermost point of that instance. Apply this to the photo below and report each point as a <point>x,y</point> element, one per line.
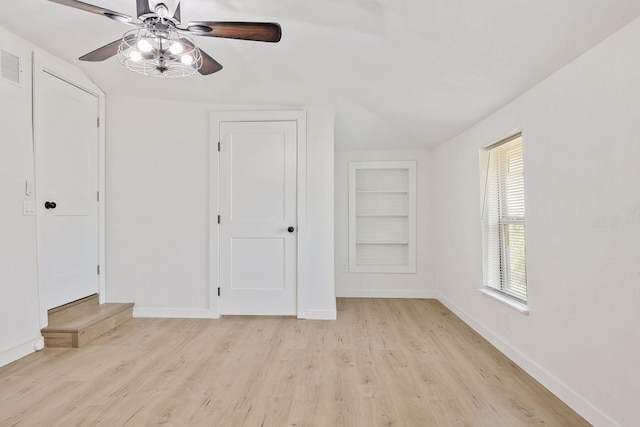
<point>382,363</point>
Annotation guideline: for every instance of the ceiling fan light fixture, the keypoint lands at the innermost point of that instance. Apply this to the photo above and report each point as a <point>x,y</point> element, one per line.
<point>176,48</point>
<point>144,46</point>
<point>159,52</point>
<point>135,56</point>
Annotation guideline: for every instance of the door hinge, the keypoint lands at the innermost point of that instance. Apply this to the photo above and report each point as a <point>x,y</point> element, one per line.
<point>98,121</point>
<point>218,219</point>
<point>218,146</point>
<point>97,196</point>
<point>218,291</point>
<point>98,270</point>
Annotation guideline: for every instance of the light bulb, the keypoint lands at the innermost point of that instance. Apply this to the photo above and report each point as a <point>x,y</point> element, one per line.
<point>144,45</point>
<point>176,48</point>
<point>134,55</point>
<point>187,59</point>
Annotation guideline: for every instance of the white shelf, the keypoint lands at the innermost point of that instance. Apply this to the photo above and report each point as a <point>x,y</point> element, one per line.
<point>382,217</point>
<point>382,243</point>
<point>382,191</point>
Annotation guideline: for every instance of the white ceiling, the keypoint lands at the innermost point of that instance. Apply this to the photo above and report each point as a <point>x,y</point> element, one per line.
<point>399,73</point>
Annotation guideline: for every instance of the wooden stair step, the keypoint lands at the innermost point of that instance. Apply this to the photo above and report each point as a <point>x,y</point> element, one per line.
<point>80,324</point>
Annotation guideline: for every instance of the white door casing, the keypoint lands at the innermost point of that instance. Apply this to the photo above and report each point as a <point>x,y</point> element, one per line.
<point>258,217</point>
<point>67,139</point>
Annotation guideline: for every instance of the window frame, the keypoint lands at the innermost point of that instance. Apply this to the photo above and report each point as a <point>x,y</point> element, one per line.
<point>496,219</point>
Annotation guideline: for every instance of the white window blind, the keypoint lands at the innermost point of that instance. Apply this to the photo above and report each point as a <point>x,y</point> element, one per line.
<point>503,220</point>
<point>382,217</point>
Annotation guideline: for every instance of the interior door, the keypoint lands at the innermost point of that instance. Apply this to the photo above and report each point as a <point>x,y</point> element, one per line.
<point>257,190</point>
<point>66,152</point>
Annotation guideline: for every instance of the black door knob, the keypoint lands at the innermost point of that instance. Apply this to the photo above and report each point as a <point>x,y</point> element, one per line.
<point>49,205</point>
<point>291,229</point>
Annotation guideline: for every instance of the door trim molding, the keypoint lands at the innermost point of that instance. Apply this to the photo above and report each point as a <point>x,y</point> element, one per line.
<point>300,117</point>
<point>44,63</point>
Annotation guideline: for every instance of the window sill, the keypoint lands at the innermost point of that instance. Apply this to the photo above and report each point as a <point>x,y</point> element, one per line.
<point>516,305</point>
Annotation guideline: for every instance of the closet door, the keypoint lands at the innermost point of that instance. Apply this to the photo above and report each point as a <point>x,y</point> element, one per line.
<point>66,153</point>
<point>258,218</point>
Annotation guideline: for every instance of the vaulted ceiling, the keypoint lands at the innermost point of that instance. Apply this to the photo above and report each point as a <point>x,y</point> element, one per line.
<point>399,73</point>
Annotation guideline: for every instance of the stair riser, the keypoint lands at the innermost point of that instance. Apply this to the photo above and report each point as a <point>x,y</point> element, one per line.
<point>60,340</point>
<point>93,332</point>
<point>73,307</point>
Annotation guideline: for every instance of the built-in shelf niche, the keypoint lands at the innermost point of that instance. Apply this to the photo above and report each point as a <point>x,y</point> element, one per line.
<point>382,217</point>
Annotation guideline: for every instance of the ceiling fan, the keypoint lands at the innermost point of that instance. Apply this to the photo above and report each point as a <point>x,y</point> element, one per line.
<point>160,45</point>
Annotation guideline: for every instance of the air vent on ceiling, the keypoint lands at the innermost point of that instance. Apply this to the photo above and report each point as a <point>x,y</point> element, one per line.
<point>10,67</point>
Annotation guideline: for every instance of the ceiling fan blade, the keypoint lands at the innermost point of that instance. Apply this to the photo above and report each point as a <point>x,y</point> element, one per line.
<point>117,16</point>
<point>142,7</point>
<point>209,65</point>
<point>104,52</point>
<point>176,14</point>
<point>256,31</point>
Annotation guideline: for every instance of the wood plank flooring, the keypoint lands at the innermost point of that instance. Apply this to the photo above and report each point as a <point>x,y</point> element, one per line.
<point>382,363</point>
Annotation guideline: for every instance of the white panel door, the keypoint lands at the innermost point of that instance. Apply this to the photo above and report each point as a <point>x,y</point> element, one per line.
<point>66,150</point>
<point>258,218</point>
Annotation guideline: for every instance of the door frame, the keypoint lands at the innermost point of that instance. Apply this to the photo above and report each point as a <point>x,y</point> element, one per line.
<point>44,63</point>
<point>300,117</point>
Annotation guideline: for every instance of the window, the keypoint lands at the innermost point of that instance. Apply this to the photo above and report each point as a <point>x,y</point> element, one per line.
<point>503,219</point>
<point>382,217</point>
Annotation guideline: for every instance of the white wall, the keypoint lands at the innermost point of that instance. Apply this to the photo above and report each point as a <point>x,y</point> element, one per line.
<point>320,207</point>
<point>158,206</point>
<point>19,306</point>
<point>21,314</point>
<point>581,130</point>
<point>418,285</point>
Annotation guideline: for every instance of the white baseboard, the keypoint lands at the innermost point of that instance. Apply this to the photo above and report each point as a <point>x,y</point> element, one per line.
<point>565,393</point>
<point>203,313</point>
<point>173,313</point>
<point>321,315</point>
<point>386,293</point>
<point>21,350</point>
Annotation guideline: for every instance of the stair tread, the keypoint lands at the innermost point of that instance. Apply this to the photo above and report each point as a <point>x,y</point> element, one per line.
<point>82,319</point>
